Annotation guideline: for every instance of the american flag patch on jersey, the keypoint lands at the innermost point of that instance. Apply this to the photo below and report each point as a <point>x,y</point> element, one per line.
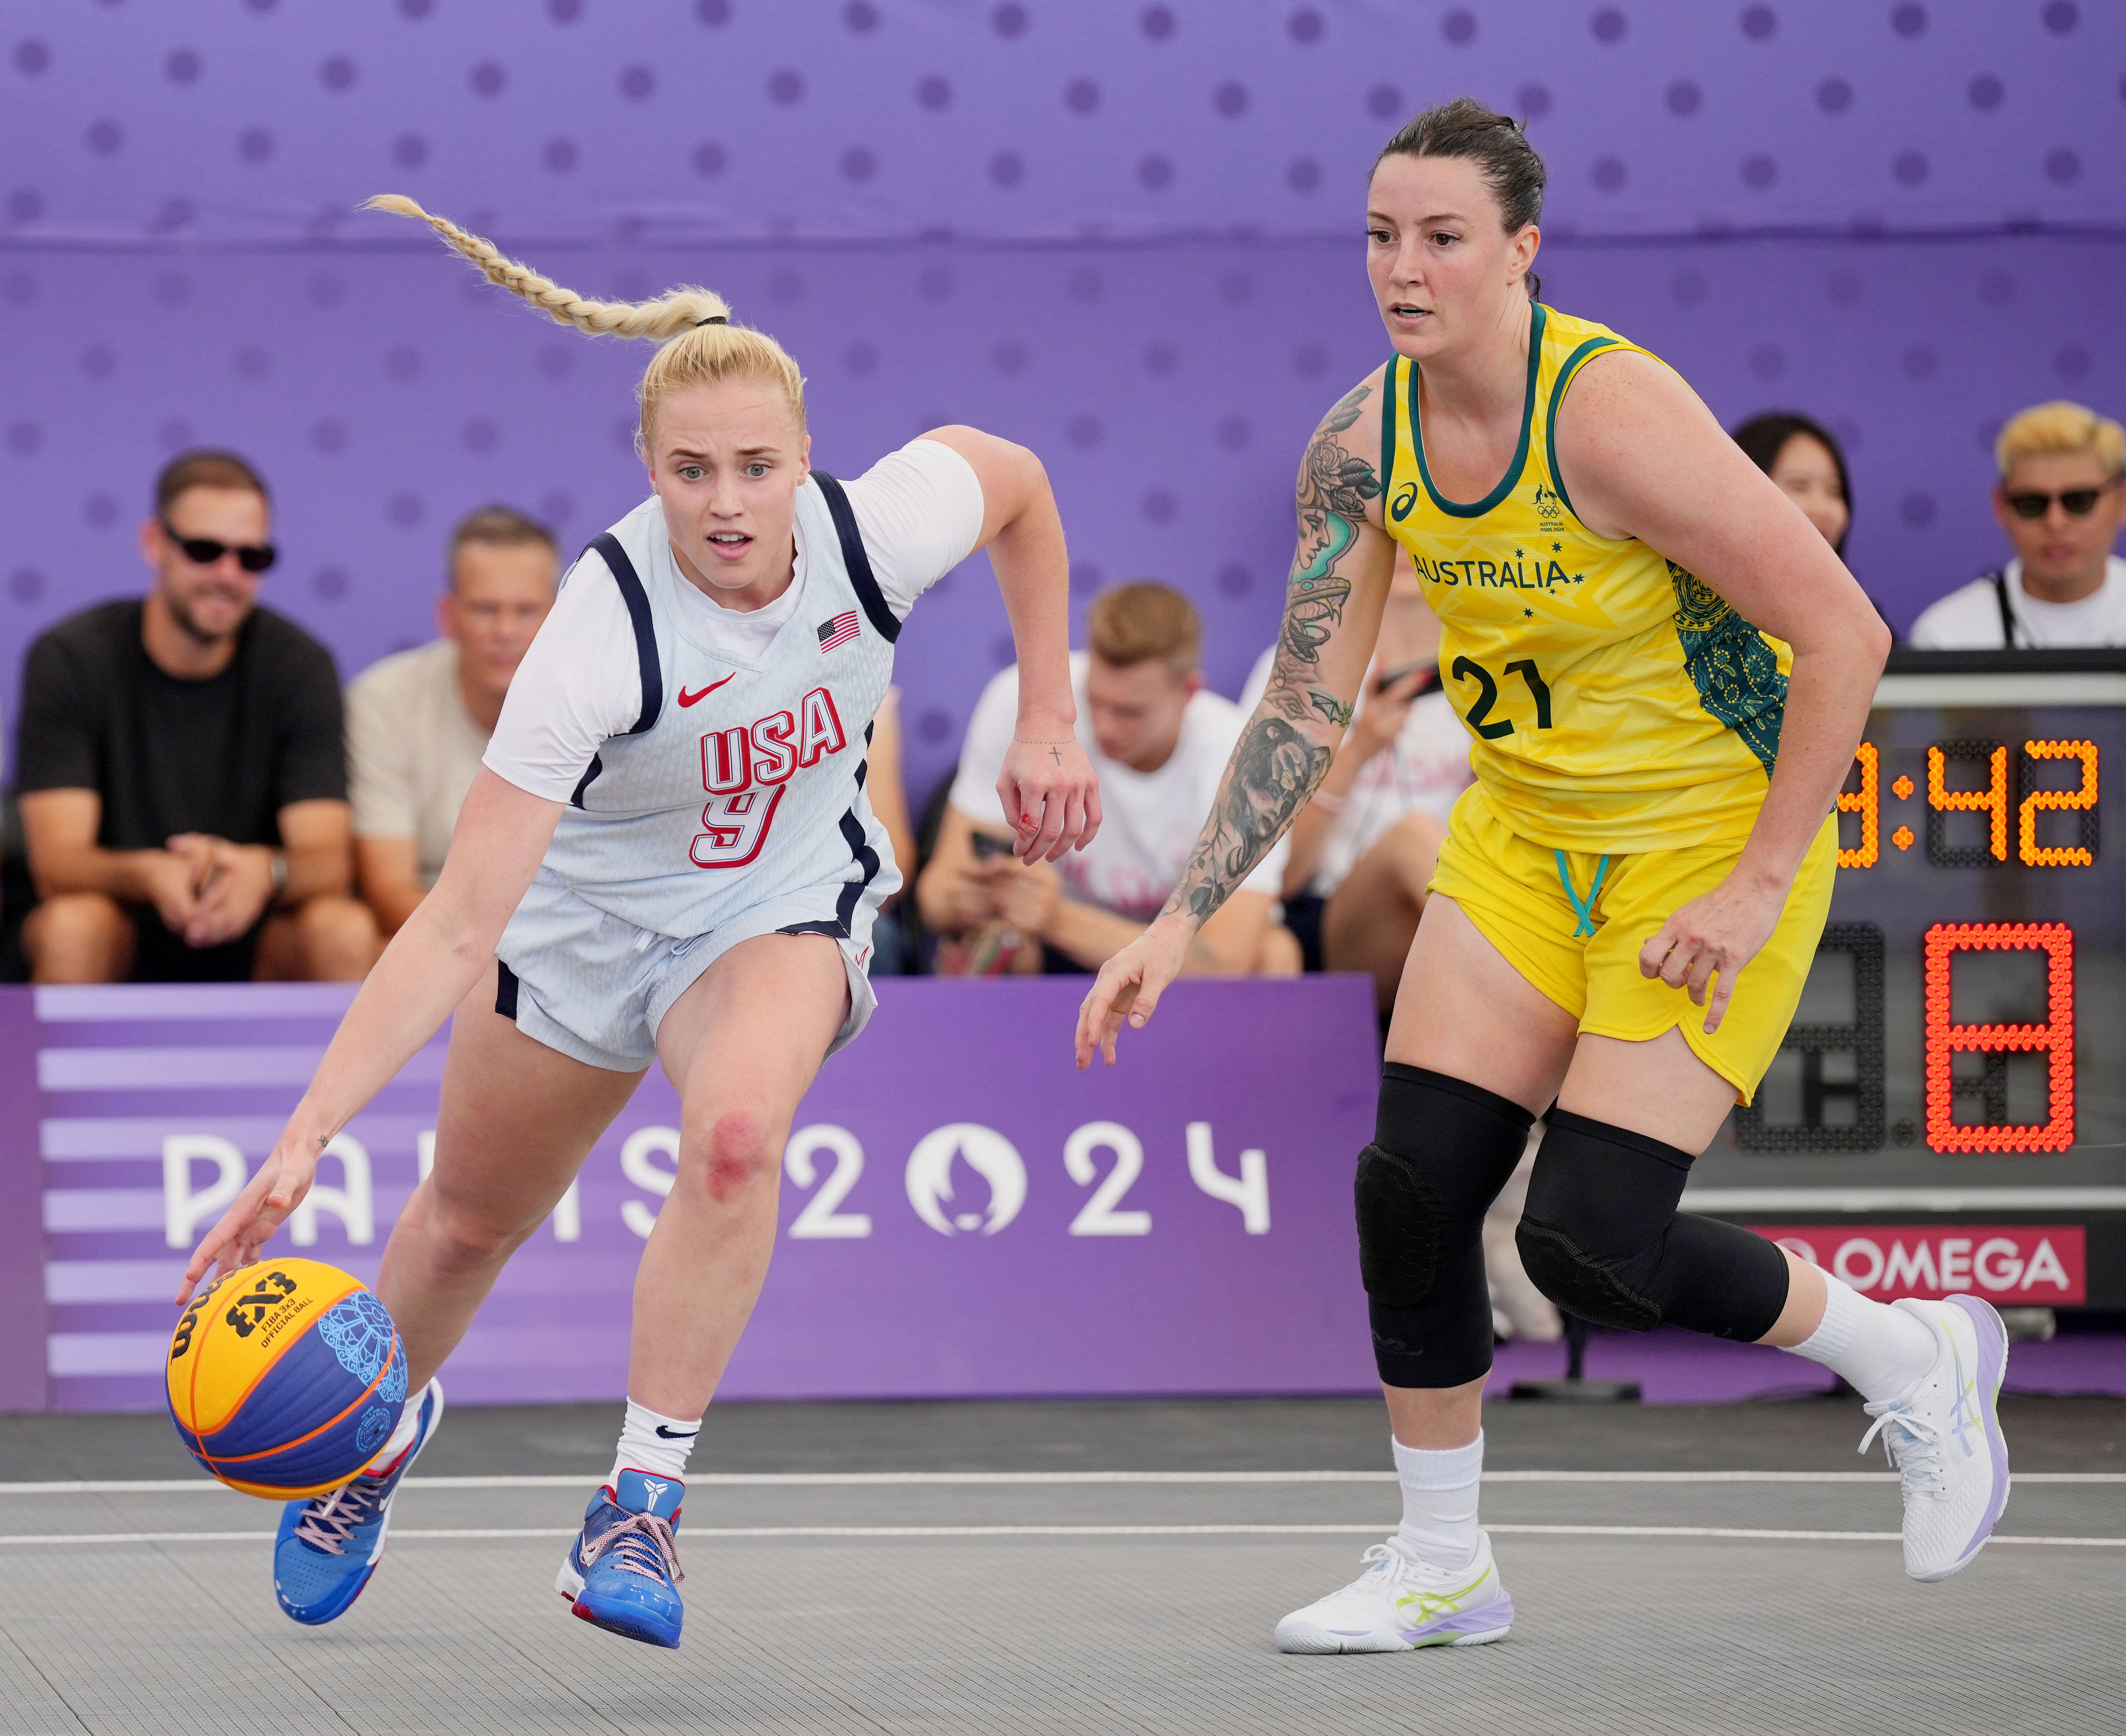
<point>837,632</point>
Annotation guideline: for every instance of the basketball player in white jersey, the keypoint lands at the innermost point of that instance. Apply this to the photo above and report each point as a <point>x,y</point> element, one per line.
<point>667,856</point>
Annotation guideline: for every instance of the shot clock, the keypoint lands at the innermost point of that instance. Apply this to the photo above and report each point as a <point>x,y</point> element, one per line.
<point>1959,1048</point>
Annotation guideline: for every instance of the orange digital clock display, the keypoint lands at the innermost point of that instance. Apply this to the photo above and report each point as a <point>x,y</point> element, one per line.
<point>2054,1039</point>
<point>2008,790</point>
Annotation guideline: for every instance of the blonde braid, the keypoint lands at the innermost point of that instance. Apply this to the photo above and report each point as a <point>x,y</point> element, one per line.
<point>674,312</point>
<point>699,344</point>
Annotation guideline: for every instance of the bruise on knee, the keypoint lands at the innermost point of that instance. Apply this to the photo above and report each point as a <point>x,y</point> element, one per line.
<point>735,1155</point>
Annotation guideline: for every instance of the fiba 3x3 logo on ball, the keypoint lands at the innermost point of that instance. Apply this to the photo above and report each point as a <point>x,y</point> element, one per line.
<point>286,1377</point>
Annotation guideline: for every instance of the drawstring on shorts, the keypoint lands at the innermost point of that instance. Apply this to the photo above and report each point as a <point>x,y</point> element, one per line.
<point>1583,907</point>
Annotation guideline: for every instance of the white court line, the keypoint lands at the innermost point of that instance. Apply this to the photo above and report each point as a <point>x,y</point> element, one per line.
<point>952,1479</point>
<point>1086,1530</point>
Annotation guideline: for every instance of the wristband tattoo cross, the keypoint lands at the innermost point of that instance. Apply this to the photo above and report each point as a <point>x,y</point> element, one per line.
<point>1054,748</point>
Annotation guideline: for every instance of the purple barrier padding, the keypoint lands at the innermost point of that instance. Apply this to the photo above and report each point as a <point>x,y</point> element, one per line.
<point>21,1231</point>
<point>1001,1259</point>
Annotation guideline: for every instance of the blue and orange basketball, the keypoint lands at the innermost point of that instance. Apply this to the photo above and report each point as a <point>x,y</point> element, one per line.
<point>286,1377</point>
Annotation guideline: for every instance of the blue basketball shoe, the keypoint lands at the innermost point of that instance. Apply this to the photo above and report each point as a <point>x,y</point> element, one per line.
<point>622,1571</point>
<point>330,1545</point>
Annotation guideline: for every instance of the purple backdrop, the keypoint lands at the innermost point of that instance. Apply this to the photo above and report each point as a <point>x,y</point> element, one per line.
<point>989,1241</point>
<point>1120,233</point>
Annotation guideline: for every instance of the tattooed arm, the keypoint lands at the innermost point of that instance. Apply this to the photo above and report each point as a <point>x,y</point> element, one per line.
<point>1332,602</point>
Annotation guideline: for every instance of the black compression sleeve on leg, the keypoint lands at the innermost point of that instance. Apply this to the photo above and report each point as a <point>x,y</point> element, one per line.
<point>1602,1238</point>
<point>1442,1150</point>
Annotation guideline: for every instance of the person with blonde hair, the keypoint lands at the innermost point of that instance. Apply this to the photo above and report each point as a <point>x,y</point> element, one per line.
<point>2059,499</point>
<point>667,855</point>
<point>1158,738</point>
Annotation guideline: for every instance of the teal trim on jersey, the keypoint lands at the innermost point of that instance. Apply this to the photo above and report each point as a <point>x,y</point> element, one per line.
<point>1479,508</point>
<point>1735,672</point>
<point>1583,908</point>
<point>1388,430</point>
<point>1557,397</point>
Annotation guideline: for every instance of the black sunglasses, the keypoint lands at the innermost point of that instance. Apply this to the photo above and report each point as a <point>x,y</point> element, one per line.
<point>204,551</point>
<point>2077,502</point>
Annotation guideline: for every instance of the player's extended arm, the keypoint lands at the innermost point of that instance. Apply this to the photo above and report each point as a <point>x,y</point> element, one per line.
<point>1338,587</point>
<point>1642,457</point>
<point>431,964</point>
<point>888,796</point>
<point>1048,788</point>
<point>1227,944</point>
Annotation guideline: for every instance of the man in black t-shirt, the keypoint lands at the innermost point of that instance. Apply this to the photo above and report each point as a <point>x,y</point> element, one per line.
<point>183,781</point>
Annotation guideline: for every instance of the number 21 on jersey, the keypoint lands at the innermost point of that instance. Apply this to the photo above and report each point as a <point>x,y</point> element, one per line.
<point>744,770</point>
<point>1487,695</point>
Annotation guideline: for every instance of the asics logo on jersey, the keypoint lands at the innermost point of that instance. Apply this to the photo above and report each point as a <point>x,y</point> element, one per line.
<point>695,699</point>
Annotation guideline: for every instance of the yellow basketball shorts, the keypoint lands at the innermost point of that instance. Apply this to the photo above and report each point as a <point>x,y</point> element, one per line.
<point>1572,924</point>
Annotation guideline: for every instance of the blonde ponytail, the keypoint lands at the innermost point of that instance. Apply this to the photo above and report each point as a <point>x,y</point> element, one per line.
<point>700,347</point>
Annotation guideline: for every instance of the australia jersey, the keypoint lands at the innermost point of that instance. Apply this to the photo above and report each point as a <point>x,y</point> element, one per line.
<point>1616,704</point>
<point>741,781</point>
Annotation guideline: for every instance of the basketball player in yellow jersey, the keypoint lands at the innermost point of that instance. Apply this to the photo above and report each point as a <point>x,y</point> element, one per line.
<point>1664,670</point>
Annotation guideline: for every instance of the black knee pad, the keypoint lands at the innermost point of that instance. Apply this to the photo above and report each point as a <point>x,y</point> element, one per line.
<point>1442,1150</point>
<point>1602,1238</point>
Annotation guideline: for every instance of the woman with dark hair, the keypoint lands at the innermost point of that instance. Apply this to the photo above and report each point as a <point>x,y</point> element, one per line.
<point>1666,671</point>
<point>1804,459</point>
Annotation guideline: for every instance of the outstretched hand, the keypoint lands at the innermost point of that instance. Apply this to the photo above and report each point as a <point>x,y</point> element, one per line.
<point>258,1212</point>
<point>1704,946</point>
<point>1129,986</point>
<point>1050,796</point>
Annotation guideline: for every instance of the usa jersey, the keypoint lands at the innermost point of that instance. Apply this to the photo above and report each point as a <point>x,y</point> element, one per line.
<point>740,782</point>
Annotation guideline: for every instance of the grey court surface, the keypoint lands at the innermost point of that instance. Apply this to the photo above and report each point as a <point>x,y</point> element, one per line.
<point>1061,1567</point>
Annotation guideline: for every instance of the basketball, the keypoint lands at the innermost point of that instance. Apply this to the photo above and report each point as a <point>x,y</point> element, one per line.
<point>285,1378</point>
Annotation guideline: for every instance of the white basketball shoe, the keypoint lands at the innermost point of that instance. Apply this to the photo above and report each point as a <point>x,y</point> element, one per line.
<point>1943,1435</point>
<point>1399,1604</point>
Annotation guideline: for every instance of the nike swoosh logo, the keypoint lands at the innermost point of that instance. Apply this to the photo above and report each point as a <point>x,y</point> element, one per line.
<point>695,699</point>
<point>682,1434</point>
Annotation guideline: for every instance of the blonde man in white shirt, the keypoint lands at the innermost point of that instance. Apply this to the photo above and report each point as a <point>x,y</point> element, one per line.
<point>2060,500</point>
<point>419,721</point>
<point>1157,739</point>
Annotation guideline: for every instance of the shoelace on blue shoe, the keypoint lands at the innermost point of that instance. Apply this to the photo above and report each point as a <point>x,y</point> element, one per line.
<point>1911,1443</point>
<point>641,1544</point>
<point>330,1521</point>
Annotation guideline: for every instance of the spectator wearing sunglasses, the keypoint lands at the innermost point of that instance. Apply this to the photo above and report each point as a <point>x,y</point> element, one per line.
<point>183,788</point>
<point>2060,501</point>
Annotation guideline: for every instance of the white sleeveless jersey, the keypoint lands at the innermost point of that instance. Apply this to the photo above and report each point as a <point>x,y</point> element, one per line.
<point>741,782</point>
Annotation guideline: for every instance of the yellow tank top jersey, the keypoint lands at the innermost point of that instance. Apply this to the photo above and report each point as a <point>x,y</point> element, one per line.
<point>1616,703</point>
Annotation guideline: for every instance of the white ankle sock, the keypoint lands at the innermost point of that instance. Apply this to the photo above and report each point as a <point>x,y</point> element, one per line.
<point>649,1442</point>
<point>402,1437</point>
<point>1439,1502</point>
<point>1880,1349</point>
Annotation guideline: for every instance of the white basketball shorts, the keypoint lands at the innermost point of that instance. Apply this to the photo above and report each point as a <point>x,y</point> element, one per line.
<point>591,985</point>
